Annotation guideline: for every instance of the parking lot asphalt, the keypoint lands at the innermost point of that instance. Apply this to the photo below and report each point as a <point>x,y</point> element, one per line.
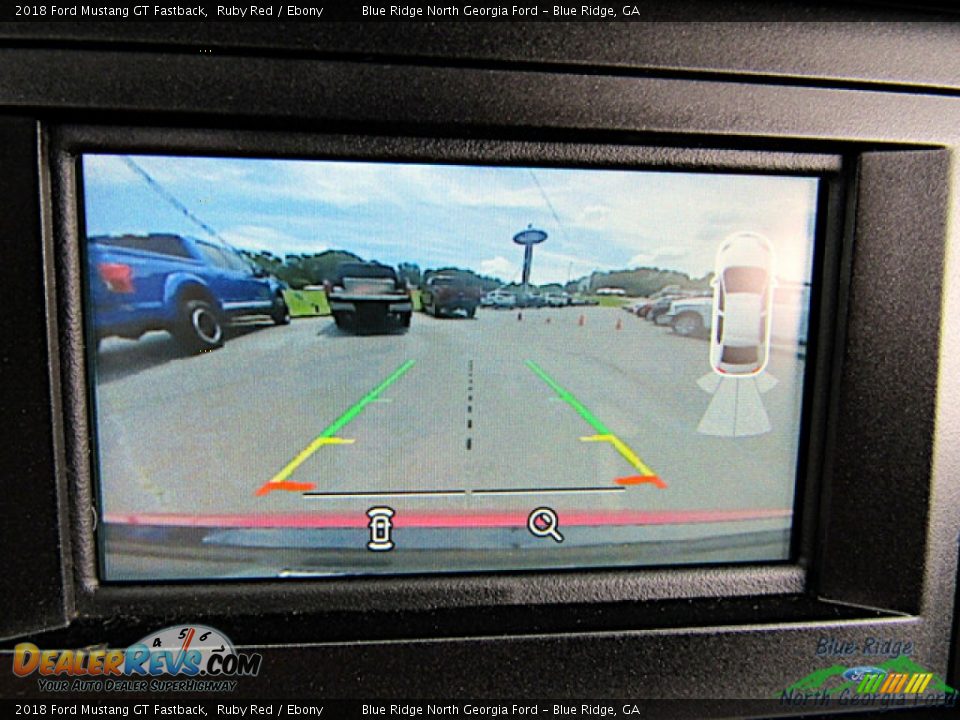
<point>590,411</point>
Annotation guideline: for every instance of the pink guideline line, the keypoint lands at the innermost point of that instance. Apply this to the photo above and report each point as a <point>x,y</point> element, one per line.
<point>444,520</point>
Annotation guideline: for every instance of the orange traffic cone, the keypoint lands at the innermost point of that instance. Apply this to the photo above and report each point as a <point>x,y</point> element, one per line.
<point>582,320</point>
<point>619,324</point>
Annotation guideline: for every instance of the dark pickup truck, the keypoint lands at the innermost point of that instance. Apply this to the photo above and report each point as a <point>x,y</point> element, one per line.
<point>188,287</point>
<point>368,296</point>
<point>447,294</point>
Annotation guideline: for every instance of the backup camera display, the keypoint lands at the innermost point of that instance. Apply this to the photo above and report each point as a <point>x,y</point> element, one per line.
<point>319,368</point>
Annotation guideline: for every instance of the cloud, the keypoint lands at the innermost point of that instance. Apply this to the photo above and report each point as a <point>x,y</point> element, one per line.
<point>213,175</point>
<point>258,237</point>
<point>456,215</point>
<point>350,184</point>
<point>670,252</point>
<point>107,170</point>
<point>641,260</point>
<point>499,267</point>
<point>657,256</point>
<point>341,184</point>
<point>169,172</point>
<point>492,196</point>
<point>596,217</point>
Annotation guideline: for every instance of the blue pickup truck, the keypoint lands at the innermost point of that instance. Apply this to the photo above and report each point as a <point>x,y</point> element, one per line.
<point>190,288</point>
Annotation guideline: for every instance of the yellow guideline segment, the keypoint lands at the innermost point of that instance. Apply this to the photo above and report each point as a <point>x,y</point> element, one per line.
<point>629,455</point>
<point>281,481</point>
<point>603,433</point>
<point>307,452</point>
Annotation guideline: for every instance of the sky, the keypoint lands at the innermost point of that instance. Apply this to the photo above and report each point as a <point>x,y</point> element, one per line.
<point>464,216</point>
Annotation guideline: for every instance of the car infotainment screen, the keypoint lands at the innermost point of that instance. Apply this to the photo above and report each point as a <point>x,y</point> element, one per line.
<point>315,368</point>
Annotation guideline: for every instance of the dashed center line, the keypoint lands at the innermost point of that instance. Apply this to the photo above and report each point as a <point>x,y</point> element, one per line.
<point>469,403</point>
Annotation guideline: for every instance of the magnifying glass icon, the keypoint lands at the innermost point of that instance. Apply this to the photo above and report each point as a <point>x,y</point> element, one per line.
<point>543,523</point>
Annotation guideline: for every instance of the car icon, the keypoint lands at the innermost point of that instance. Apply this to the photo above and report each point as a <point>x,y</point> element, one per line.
<point>742,302</point>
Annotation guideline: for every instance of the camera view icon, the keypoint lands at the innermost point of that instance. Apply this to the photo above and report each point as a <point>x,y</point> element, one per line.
<point>381,527</point>
<point>543,522</point>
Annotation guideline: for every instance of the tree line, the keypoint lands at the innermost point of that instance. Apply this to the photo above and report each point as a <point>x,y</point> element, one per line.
<point>301,270</point>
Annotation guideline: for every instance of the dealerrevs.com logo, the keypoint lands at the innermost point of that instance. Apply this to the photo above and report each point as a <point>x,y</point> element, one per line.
<point>182,658</point>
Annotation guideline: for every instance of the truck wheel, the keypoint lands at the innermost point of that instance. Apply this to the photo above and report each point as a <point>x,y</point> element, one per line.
<point>345,321</point>
<point>199,328</point>
<point>471,312</point>
<point>687,324</point>
<point>405,319</point>
<point>280,314</point>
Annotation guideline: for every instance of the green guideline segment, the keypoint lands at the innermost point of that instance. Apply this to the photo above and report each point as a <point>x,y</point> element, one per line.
<point>281,481</point>
<point>568,398</point>
<point>645,473</point>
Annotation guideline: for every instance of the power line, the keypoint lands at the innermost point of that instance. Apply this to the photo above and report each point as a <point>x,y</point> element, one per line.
<point>173,201</point>
<point>544,194</point>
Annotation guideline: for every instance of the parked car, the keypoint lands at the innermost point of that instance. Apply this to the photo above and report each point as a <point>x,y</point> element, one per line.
<point>634,307</point>
<point>557,299</point>
<point>690,316</point>
<point>644,308</point>
<point>501,299</point>
<point>449,294</point>
<point>660,307</point>
<point>369,296</point>
<point>531,299</point>
<point>742,299</point>
<point>190,288</point>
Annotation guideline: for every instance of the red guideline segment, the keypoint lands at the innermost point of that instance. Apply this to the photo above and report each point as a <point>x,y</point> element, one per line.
<point>446,520</point>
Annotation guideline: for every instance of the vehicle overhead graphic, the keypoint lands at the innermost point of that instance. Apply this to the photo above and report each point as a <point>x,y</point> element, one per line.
<point>742,304</point>
<point>190,288</point>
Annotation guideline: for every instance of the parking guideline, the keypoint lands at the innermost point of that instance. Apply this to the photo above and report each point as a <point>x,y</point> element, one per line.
<point>604,434</point>
<point>281,481</point>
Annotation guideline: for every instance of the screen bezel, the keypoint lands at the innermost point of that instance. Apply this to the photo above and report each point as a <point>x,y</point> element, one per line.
<point>707,647</point>
<point>462,590</point>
